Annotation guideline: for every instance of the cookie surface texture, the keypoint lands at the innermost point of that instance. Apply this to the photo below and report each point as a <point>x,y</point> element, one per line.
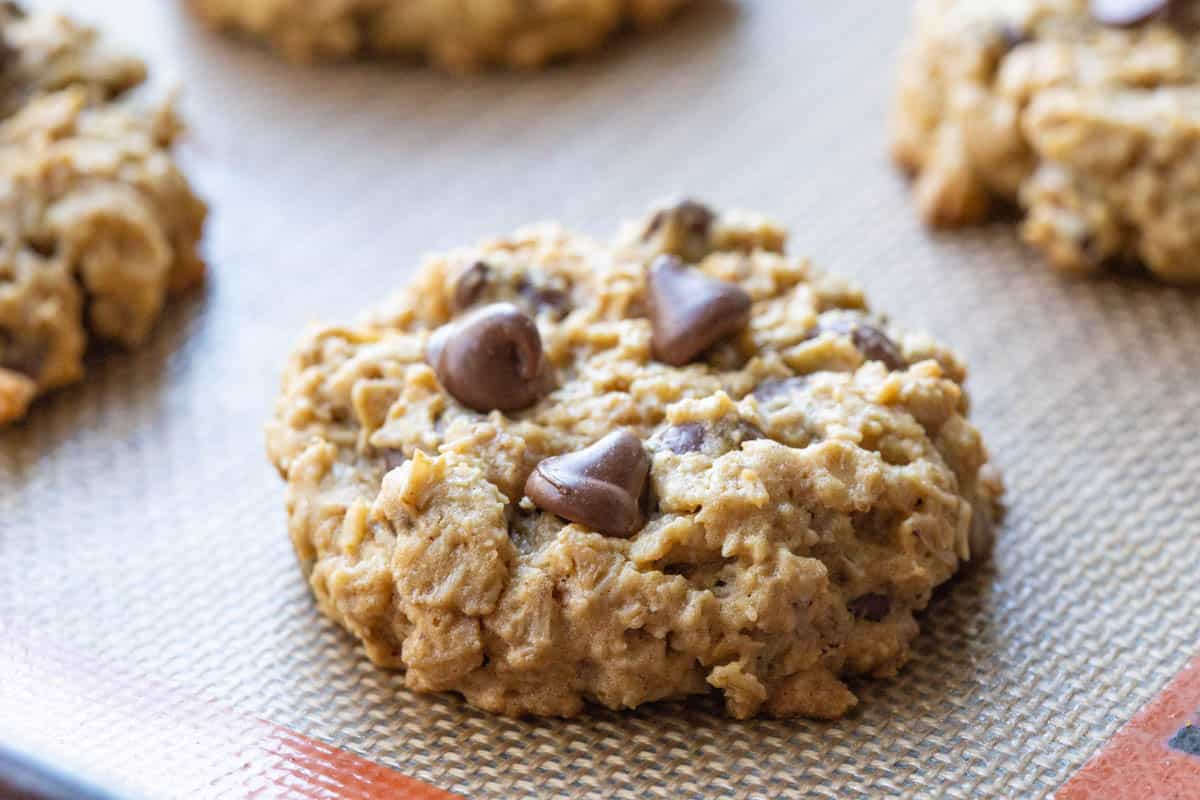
<point>99,225</point>
<point>761,521</point>
<point>1085,115</point>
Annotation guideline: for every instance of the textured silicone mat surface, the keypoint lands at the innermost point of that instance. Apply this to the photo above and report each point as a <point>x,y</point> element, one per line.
<point>140,522</point>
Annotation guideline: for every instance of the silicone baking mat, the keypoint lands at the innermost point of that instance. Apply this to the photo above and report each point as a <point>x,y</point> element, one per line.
<point>147,587</point>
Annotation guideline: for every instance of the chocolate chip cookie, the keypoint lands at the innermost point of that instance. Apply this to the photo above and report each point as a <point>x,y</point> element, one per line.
<point>553,471</point>
<point>98,225</point>
<point>456,35</point>
<point>1085,114</point>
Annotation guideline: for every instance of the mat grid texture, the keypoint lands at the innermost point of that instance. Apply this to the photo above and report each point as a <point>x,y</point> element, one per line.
<point>140,522</point>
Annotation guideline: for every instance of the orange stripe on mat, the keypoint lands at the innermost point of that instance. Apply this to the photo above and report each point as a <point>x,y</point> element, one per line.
<point>136,734</point>
<point>1156,755</point>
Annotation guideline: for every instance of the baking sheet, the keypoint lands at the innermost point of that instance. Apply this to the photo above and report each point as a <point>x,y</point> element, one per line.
<point>140,523</point>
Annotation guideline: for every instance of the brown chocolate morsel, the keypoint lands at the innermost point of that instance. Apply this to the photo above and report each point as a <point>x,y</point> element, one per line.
<point>690,312</point>
<point>748,432</point>
<point>693,216</point>
<point>873,607</point>
<point>490,359</point>
<point>873,343</point>
<point>599,486</point>
<point>471,285</point>
<point>1123,13</point>
<point>545,298</point>
<point>773,388</point>
<point>685,438</point>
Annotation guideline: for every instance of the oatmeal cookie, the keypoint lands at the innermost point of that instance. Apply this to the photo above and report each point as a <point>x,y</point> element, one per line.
<point>456,35</point>
<point>98,225</point>
<point>45,52</point>
<point>553,471</point>
<point>1086,115</point>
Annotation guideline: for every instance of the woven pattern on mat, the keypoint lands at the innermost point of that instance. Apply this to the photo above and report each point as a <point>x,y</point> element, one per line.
<point>139,521</point>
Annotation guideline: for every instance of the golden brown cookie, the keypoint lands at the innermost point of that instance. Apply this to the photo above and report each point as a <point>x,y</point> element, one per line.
<point>457,35</point>
<point>761,517</point>
<point>99,227</point>
<point>1086,115</point>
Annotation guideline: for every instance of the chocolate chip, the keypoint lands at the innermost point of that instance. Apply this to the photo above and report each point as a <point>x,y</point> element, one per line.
<point>690,311</point>
<point>545,298</point>
<point>599,486</point>
<point>1124,13</point>
<point>685,438</point>
<point>1186,740</point>
<point>490,359</point>
<point>747,432</point>
<point>875,345</point>
<point>773,388</point>
<point>872,607</point>
<point>471,285</point>
<point>694,217</point>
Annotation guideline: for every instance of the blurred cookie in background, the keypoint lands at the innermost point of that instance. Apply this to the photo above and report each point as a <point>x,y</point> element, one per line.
<point>456,35</point>
<point>1085,115</point>
<point>99,227</point>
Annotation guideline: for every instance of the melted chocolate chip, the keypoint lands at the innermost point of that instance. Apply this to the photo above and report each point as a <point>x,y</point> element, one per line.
<point>690,311</point>
<point>545,298</point>
<point>599,486</point>
<point>471,285</point>
<point>685,438</point>
<point>774,388</point>
<point>872,607</point>
<point>694,217</point>
<point>1124,13</point>
<point>490,359</point>
<point>875,345</point>
<point>872,342</point>
<point>747,432</point>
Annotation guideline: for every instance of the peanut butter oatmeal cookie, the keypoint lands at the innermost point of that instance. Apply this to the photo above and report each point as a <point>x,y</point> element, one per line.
<point>553,471</point>
<point>98,225</point>
<point>1087,115</point>
<point>454,34</point>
